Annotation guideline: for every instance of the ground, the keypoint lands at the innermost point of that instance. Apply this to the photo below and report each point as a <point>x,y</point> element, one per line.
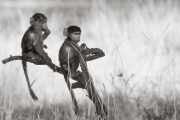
<point>140,69</point>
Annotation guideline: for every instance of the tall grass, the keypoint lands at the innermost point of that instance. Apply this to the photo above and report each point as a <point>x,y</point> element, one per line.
<point>140,69</point>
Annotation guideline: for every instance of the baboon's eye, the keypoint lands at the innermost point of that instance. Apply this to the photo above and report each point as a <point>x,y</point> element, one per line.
<point>77,33</point>
<point>43,22</point>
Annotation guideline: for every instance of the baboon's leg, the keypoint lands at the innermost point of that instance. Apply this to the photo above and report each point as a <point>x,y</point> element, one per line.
<point>33,56</point>
<point>77,85</point>
<point>80,81</point>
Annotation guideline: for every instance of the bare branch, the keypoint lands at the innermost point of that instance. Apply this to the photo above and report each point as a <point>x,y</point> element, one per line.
<point>34,61</point>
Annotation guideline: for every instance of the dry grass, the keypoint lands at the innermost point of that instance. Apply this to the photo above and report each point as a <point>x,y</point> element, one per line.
<point>140,69</point>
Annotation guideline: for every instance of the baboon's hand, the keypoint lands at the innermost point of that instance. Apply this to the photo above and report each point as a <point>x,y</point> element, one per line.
<point>47,31</point>
<point>34,97</point>
<point>45,46</point>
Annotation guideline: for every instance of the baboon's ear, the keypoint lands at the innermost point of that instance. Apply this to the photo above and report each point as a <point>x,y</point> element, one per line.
<point>32,21</point>
<point>65,32</point>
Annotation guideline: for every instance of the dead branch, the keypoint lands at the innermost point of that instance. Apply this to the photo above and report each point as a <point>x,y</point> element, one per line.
<point>34,61</point>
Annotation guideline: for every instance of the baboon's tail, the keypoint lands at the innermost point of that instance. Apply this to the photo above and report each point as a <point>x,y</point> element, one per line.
<point>24,65</point>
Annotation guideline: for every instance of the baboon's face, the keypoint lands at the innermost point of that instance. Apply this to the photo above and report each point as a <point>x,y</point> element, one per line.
<point>75,36</point>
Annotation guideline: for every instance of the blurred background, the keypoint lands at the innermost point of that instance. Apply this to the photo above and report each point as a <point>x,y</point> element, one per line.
<point>140,39</point>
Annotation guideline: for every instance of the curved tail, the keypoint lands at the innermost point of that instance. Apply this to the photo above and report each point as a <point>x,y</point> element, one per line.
<point>24,65</point>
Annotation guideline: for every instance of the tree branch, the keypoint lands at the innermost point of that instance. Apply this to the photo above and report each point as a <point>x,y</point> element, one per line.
<point>36,62</point>
<point>91,54</point>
